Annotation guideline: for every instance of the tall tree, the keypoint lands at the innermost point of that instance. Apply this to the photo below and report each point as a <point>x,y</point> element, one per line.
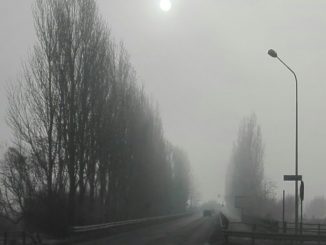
<point>245,178</point>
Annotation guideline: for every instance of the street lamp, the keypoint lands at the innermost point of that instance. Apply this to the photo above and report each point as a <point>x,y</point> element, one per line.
<point>272,53</point>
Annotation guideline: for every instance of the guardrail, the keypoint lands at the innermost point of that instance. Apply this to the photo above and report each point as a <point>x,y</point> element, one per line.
<point>97,227</point>
<point>92,232</point>
<point>79,233</point>
<point>82,233</point>
<point>224,221</point>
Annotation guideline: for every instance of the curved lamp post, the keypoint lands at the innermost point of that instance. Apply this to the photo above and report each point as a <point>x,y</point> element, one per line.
<point>273,54</point>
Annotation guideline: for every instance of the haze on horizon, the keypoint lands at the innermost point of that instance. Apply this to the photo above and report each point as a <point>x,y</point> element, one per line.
<point>206,65</point>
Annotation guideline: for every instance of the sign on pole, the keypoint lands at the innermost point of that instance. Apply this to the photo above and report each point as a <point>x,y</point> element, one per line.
<point>292,177</point>
<point>302,191</point>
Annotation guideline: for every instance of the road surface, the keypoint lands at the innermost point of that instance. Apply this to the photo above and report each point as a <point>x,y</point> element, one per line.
<point>190,230</point>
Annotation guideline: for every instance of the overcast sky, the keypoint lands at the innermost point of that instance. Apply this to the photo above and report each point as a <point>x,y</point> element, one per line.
<point>205,62</point>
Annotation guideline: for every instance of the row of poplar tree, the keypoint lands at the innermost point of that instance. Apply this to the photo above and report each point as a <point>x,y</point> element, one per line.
<point>89,145</point>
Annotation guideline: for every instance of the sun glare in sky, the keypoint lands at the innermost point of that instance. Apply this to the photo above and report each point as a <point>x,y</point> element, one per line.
<point>165,5</point>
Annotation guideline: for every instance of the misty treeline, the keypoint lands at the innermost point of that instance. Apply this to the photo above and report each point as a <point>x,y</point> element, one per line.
<point>246,186</point>
<point>89,145</point>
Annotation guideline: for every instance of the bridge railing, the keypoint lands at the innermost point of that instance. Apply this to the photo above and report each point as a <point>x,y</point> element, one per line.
<point>277,231</point>
<point>305,228</point>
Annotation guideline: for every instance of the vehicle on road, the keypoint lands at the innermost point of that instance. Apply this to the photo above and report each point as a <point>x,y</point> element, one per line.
<point>207,213</point>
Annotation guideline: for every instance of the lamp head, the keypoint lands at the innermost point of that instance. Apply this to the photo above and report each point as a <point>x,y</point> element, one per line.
<point>272,53</point>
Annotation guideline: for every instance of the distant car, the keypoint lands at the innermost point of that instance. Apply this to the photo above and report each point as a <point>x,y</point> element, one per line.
<point>207,213</point>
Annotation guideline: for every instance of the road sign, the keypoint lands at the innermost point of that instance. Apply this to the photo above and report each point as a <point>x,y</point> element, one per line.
<point>292,177</point>
<point>302,191</point>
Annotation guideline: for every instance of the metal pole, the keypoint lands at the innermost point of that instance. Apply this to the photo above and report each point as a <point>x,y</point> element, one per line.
<point>301,218</point>
<point>283,212</point>
<point>296,150</point>
<point>296,146</point>
<point>283,219</point>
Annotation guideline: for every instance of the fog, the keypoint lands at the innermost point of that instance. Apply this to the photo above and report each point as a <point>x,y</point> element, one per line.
<point>206,65</point>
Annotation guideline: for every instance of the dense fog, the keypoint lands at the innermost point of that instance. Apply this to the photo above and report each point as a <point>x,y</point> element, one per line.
<point>214,113</point>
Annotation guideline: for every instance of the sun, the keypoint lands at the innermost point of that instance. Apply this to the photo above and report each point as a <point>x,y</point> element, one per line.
<point>165,5</point>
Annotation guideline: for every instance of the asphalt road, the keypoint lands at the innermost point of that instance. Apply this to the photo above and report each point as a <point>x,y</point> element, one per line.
<point>190,230</point>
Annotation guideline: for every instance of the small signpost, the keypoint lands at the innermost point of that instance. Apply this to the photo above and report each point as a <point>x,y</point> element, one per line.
<point>297,178</point>
<point>302,191</point>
